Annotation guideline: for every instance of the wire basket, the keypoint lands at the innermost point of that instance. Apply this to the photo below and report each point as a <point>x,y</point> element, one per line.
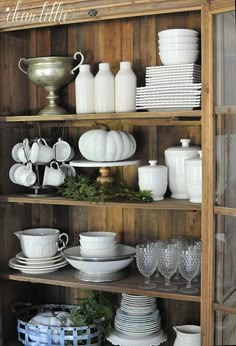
<point>38,335</point>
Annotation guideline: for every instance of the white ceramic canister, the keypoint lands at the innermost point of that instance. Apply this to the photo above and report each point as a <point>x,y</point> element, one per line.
<point>125,88</point>
<point>175,160</point>
<point>153,178</point>
<point>84,90</point>
<point>193,169</point>
<point>104,89</point>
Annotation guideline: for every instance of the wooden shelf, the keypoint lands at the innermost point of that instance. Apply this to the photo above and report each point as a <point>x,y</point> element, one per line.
<point>226,110</point>
<point>65,278</point>
<point>143,118</point>
<point>225,211</point>
<point>167,203</point>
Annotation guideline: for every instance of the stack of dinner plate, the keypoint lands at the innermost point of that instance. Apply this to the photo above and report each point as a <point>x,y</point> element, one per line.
<point>41,265</point>
<point>137,315</point>
<point>171,87</point>
<point>137,322</point>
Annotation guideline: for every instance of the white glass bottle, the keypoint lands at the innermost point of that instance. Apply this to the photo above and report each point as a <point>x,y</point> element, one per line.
<point>84,90</point>
<point>125,88</point>
<point>104,89</point>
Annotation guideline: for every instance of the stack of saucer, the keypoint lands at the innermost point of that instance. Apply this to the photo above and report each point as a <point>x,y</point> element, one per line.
<point>171,87</point>
<point>98,244</point>
<point>42,265</point>
<point>137,322</point>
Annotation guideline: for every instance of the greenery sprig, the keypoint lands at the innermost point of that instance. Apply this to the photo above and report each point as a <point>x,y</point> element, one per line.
<point>96,307</point>
<point>85,189</point>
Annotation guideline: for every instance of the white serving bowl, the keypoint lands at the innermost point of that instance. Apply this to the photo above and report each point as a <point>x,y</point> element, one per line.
<point>179,46</point>
<point>96,266</point>
<point>175,57</point>
<point>178,39</point>
<point>177,32</point>
<point>97,237</point>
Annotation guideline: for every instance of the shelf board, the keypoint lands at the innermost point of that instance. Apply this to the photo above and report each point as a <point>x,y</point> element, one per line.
<point>226,110</point>
<point>64,277</point>
<point>103,116</point>
<point>225,211</point>
<point>167,203</point>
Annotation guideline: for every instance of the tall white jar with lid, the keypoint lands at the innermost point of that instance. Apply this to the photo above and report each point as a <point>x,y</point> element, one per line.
<point>125,88</point>
<point>153,178</point>
<point>104,89</point>
<point>175,160</point>
<point>193,168</point>
<point>84,90</point>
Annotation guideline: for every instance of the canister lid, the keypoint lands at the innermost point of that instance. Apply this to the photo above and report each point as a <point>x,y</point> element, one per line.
<point>152,165</point>
<point>196,161</point>
<point>185,147</point>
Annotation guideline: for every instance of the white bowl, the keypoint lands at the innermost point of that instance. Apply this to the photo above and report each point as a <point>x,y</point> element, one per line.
<point>175,57</point>
<point>99,253</point>
<point>178,39</point>
<point>177,32</point>
<point>179,46</point>
<point>100,265</point>
<point>98,247</point>
<point>98,237</point>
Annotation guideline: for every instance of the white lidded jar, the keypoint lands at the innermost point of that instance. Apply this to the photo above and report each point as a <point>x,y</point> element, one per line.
<point>193,169</point>
<point>175,160</point>
<point>84,90</point>
<point>125,88</point>
<point>104,89</point>
<point>153,178</point>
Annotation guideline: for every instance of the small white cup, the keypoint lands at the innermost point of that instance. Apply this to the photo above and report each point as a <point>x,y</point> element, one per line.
<point>53,176</point>
<point>12,172</point>
<point>41,152</point>
<point>68,170</point>
<point>21,151</point>
<point>24,175</point>
<point>63,151</point>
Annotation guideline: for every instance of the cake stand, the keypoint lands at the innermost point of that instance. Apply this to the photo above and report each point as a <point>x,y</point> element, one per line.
<point>104,167</point>
<point>121,339</point>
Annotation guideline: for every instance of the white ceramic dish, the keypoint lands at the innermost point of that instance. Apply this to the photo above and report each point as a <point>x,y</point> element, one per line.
<point>174,46</point>
<point>119,338</point>
<point>21,256</point>
<point>97,237</point>
<point>36,270</point>
<point>177,32</point>
<point>13,262</point>
<point>177,56</point>
<point>99,253</point>
<point>178,39</point>
<point>100,265</point>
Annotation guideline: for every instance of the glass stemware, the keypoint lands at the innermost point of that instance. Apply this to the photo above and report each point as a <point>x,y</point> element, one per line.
<point>189,266</point>
<point>167,264</point>
<point>146,260</point>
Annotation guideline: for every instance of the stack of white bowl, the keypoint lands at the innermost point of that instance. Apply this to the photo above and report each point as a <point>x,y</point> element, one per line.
<point>98,244</point>
<point>178,46</point>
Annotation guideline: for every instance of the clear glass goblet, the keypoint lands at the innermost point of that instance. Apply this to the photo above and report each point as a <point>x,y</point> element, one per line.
<point>146,260</point>
<point>167,264</point>
<point>188,267</point>
<point>179,241</point>
<point>157,277</point>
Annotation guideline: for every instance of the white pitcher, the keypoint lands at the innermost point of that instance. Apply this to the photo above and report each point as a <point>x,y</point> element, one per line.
<point>187,335</point>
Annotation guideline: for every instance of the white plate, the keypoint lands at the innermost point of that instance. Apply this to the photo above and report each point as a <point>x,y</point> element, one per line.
<point>22,257</point>
<point>28,270</point>
<point>13,263</point>
<point>141,333</point>
<point>39,264</point>
<point>155,339</point>
<point>174,67</point>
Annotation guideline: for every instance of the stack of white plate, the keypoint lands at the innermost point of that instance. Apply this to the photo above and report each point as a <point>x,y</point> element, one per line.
<point>173,87</point>
<point>42,265</point>
<point>137,316</point>
<point>98,244</point>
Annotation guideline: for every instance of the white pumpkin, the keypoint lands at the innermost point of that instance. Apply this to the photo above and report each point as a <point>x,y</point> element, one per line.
<point>107,145</point>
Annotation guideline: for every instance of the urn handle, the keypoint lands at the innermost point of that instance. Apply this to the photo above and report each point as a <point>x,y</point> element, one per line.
<point>81,61</point>
<point>22,60</point>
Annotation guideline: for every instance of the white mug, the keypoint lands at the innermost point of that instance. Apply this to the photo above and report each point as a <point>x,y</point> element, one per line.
<point>41,152</point>
<point>12,172</point>
<point>21,151</point>
<point>63,151</point>
<point>53,176</point>
<point>24,175</point>
<point>68,170</point>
